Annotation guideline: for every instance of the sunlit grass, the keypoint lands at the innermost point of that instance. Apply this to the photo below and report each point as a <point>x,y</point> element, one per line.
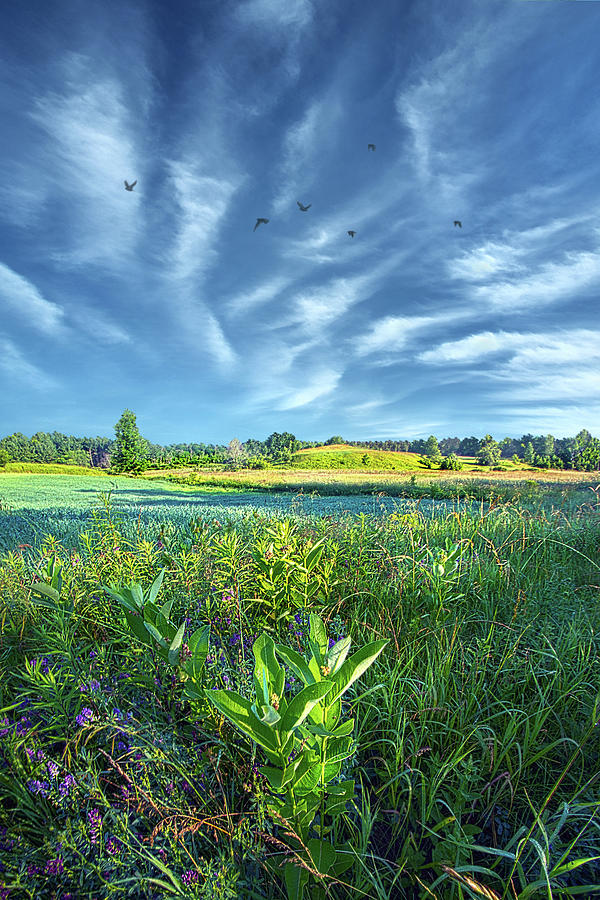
<point>477,764</point>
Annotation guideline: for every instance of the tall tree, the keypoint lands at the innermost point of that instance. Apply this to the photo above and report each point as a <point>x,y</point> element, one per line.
<point>130,453</point>
<point>489,452</point>
<point>432,450</point>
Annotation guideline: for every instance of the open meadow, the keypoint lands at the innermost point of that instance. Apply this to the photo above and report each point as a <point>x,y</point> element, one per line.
<point>460,758</point>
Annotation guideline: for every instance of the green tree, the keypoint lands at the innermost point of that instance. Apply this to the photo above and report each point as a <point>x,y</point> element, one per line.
<point>489,452</point>
<point>432,450</point>
<point>588,458</point>
<point>335,439</point>
<point>529,455</point>
<point>130,453</point>
<point>4,457</point>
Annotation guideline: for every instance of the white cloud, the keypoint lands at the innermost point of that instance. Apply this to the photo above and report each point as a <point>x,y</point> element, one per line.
<point>90,148</point>
<point>302,144</point>
<point>17,366</point>
<point>261,295</point>
<point>552,282</point>
<point>24,298</point>
<point>280,13</point>
<point>393,333</point>
<point>318,385</point>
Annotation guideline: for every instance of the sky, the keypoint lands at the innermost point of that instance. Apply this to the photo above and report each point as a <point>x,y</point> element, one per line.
<point>167,301</point>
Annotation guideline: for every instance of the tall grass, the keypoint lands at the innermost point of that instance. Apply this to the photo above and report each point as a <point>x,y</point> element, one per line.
<point>477,762</point>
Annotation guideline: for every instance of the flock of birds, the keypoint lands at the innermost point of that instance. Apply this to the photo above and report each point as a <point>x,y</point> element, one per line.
<point>262,221</point>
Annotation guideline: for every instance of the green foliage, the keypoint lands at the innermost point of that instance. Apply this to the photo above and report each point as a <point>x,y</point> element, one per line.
<point>4,457</point>
<point>473,754</point>
<point>452,463</point>
<point>304,743</point>
<point>432,450</point>
<point>490,452</point>
<point>130,453</point>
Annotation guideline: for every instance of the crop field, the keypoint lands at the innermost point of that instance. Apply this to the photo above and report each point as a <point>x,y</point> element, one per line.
<point>203,697</point>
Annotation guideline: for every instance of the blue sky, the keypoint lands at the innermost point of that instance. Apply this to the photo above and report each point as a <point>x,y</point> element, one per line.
<point>165,300</point>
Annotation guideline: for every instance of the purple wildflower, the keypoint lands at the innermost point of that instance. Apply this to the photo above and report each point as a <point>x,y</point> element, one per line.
<point>54,866</point>
<point>53,769</point>
<point>65,786</point>
<point>38,787</point>
<point>189,877</point>
<point>84,716</point>
<point>95,822</point>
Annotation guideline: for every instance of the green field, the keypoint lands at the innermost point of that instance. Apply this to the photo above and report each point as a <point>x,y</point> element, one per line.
<point>473,766</point>
<point>341,456</point>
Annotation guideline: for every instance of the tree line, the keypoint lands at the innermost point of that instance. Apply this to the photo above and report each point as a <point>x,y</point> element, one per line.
<point>128,451</point>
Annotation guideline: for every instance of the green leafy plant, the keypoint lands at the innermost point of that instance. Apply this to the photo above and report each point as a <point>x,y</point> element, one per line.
<point>152,625</point>
<point>305,744</point>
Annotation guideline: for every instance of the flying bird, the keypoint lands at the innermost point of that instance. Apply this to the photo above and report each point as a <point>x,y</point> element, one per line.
<point>370,146</point>
<point>130,187</point>
<point>351,233</point>
<point>303,208</point>
<point>260,222</point>
<point>456,222</point>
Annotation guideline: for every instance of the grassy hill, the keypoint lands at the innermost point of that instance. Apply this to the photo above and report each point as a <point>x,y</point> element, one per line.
<point>342,456</point>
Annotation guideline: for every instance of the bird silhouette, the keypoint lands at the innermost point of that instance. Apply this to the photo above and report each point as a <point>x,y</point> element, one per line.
<point>370,146</point>
<point>351,233</point>
<point>260,222</point>
<point>302,207</point>
<point>130,187</point>
<point>456,222</point>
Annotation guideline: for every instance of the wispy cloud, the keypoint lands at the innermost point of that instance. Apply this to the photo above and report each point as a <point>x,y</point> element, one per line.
<point>318,385</point>
<point>26,301</point>
<point>15,365</point>
<point>90,146</point>
<point>578,272</point>
<point>303,143</point>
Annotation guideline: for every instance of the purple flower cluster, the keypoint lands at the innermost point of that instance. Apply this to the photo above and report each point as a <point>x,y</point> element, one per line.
<point>189,877</point>
<point>84,716</point>
<point>66,785</point>
<point>54,866</point>
<point>90,688</point>
<point>38,787</point>
<point>113,846</point>
<point>95,823</point>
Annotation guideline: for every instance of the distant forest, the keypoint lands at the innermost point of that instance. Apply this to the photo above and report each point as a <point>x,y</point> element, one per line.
<point>579,452</point>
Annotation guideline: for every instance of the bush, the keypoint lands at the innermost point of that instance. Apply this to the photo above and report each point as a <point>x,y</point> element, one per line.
<point>4,457</point>
<point>452,463</point>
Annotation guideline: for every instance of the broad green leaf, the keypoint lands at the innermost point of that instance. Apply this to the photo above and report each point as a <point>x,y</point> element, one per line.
<point>273,776</point>
<point>166,609</point>
<point>302,704</point>
<point>137,627</point>
<point>317,639</point>
<point>156,635</point>
<point>313,557</point>
<point>45,589</point>
<point>342,730</point>
<point>239,711</point>
<point>309,780</point>
<point>266,662</point>
<point>338,653</point>
<point>266,714</point>
<point>151,611</point>
<point>155,588</point>
<point>137,594</point>
<point>176,644</point>
<point>332,714</point>
<point>322,854</point>
<point>296,879</point>
<point>296,663</point>
<point>354,667</point>
<point>198,644</point>
<point>344,857</point>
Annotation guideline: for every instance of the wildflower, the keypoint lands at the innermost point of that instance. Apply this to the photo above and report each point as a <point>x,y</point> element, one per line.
<point>93,654</point>
<point>189,877</point>
<point>4,727</point>
<point>95,822</point>
<point>84,716</point>
<point>53,768</point>
<point>65,786</point>
<point>54,866</point>
<point>38,787</point>
<point>113,846</point>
